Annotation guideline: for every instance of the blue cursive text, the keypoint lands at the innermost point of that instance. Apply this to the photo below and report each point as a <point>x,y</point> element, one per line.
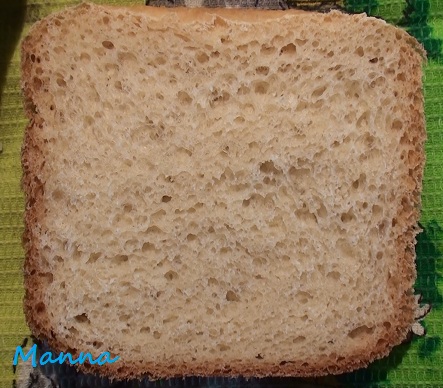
<point>48,357</point>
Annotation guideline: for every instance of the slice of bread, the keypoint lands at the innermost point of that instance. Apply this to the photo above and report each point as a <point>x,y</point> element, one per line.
<point>221,192</point>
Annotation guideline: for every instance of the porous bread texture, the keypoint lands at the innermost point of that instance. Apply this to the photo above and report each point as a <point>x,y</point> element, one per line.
<point>220,192</point>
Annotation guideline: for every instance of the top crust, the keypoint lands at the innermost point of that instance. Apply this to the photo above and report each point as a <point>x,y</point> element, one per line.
<point>42,271</point>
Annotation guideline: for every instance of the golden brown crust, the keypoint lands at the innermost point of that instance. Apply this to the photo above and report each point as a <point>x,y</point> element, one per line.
<point>409,202</point>
<point>207,14</point>
<point>401,281</point>
<point>32,161</point>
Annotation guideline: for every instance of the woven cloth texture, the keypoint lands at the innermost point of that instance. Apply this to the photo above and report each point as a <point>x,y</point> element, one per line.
<point>418,363</point>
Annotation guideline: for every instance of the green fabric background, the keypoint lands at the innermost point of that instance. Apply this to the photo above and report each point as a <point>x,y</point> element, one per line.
<point>417,364</point>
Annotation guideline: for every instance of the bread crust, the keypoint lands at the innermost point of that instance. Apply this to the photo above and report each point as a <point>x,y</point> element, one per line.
<point>37,271</point>
<point>32,160</point>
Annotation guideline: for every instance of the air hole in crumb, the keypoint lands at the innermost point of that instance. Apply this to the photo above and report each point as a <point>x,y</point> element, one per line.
<point>381,343</point>
<point>171,275</point>
<point>57,195</point>
<point>170,318</point>
<point>269,168</point>
<point>266,49</point>
<point>37,82</point>
<point>97,344</point>
<point>318,92</point>
<point>322,211</point>
<point>82,318</point>
<point>363,120</point>
<point>160,60</point>
<point>298,173</point>
<point>347,217</point>
<point>156,334</point>
<point>284,68</point>
<point>88,121</point>
<point>120,259</point>
<point>334,275</point>
<point>123,318</point>
<point>360,182</point>
<point>289,49</point>
<point>344,248</point>
<point>231,296</point>
<point>379,255</point>
<point>93,257</point>
<point>108,44</point>
<point>243,90</point>
<point>147,246</point>
<point>184,98</point>
<point>40,307</point>
<point>260,87</point>
<point>382,227</point>
<point>377,210</point>
<point>73,331</point>
<point>360,332</point>
<point>259,261</point>
<point>126,56</point>
<point>202,57</point>
<point>191,237</point>
<point>127,208</point>
<point>158,214</point>
<point>302,297</point>
<point>299,339</point>
<point>397,125</point>
<point>166,198</point>
<point>76,254</point>
<point>225,250</point>
<point>219,97</point>
<point>360,51</point>
<point>61,82</point>
<point>263,70</point>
